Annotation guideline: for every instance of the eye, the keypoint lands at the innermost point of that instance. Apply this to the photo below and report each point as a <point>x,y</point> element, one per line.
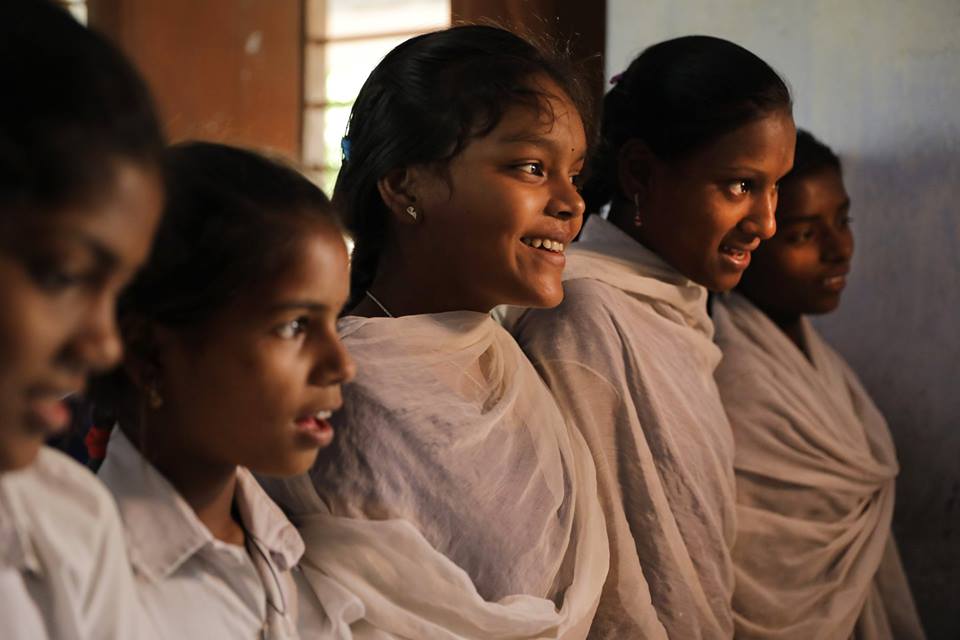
<point>577,182</point>
<point>740,188</point>
<point>531,168</point>
<point>293,329</point>
<point>801,237</point>
<point>55,280</point>
<point>844,222</point>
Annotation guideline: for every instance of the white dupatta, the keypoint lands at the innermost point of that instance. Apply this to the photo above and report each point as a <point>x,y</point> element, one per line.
<point>630,358</point>
<point>455,502</point>
<point>815,467</point>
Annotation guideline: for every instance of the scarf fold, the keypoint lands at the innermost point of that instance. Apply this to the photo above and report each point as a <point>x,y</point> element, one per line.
<point>815,468</point>
<point>455,502</point>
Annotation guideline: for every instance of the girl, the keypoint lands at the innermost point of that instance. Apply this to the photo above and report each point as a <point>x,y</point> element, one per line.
<point>80,196</point>
<point>695,135</point>
<point>233,363</point>
<point>454,479</point>
<point>815,463</point>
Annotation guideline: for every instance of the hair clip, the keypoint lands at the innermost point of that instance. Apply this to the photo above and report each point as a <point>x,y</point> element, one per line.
<point>617,78</point>
<point>345,148</point>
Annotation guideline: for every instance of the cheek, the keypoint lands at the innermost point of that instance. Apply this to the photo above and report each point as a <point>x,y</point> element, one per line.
<point>33,330</point>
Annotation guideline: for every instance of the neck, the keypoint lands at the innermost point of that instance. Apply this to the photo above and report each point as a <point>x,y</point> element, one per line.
<point>405,288</point>
<point>207,486</point>
<point>791,326</point>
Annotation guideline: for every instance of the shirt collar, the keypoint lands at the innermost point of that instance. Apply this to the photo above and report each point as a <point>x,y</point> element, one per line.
<point>163,531</point>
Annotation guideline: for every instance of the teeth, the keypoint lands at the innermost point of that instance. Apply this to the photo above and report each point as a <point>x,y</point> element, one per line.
<point>323,415</point>
<point>544,243</point>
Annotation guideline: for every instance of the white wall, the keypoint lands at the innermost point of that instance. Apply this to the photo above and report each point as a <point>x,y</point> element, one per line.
<point>879,81</point>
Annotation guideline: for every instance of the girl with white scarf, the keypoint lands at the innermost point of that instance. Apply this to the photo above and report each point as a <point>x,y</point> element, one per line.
<point>455,501</point>
<point>814,460</point>
<point>695,135</point>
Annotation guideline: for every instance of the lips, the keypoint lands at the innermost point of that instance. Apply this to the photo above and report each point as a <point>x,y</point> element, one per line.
<point>737,254</point>
<point>314,428</point>
<point>835,281</point>
<point>49,414</point>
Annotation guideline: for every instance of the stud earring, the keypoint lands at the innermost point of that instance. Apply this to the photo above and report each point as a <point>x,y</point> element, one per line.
<point>412,212</point>
<point>154,399</point>
<point>637,220</point>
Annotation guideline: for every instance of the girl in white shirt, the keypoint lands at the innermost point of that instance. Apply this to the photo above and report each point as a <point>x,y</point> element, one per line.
<point>233,366</point>
<point>80,196</point>
<point>695,135</point>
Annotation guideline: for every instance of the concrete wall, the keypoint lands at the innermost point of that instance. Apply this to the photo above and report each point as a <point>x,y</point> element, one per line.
<point>878,80</point>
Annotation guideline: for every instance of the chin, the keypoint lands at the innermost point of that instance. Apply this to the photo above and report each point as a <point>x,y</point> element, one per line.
<point>19,454</point>
<point>293,464</point>
<point>824,305</point>
<point>721,283</point>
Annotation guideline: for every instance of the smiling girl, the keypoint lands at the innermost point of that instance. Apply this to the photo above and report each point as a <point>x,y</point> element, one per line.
<point>233,365</point>
<point>80,197</point>
<point>696,134</point>
<point>455,501</point>
<point>815,463</point>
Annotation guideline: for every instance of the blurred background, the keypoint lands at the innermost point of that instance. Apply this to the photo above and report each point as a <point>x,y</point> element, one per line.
<point>877,80</point>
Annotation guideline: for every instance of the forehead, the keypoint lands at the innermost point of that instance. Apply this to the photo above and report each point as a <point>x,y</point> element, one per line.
<point>118,222</point>
<point>315,267</point>
<point>769,140</point>
<point>553,120</point>
<point>821,190</point>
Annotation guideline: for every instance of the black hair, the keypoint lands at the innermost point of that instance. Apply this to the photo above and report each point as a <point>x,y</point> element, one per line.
<point>678,96</point>
<point>425,101</point>
<point>72,106</point>
<point>811,156</point>
<point>231,222</point>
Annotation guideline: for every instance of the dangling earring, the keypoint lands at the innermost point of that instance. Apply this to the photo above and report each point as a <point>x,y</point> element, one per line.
<point>637,220</point>
<point>154,399</point>
<point>412,212</point>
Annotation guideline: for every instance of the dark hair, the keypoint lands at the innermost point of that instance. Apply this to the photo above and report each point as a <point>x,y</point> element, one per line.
<point>811,156</point>
<point>678,96</point>
<point>231,221</point>
<point>423,104</point>
<point>72,106</point>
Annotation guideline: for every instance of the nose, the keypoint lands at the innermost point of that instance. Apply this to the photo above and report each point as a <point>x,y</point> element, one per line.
<point>97,345</point>
<point>334,364</point>
<point>837,245</point>
<point>566,202</point>
<point>761,221</point>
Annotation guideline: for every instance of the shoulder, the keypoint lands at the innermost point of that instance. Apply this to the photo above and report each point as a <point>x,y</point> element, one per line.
<point>588,306</point>
<point>61,482</point>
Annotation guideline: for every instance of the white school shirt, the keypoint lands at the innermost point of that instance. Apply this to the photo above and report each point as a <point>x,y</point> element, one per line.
<point>191,584</point>
<point>64,573</point>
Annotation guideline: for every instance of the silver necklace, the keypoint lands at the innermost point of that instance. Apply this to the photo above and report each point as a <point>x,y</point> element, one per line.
<point>379,304</point>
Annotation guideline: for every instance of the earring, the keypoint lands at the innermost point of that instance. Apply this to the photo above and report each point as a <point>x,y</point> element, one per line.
<point>154,399</point>
<point>412,212</point>
<point>637,220</point>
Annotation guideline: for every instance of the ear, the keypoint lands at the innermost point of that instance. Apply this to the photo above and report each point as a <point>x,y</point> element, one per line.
<point>399,189</point>
<point>142,350</point>
<point>636,165</point>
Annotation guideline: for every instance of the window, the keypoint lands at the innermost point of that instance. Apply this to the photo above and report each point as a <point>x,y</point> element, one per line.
<point>345,39</point>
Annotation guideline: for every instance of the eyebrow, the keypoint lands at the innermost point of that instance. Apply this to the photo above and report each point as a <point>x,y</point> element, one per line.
<point>289,305</point>
<point>538,141</point>
<point>105,258</point>
<point>844,206</point>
